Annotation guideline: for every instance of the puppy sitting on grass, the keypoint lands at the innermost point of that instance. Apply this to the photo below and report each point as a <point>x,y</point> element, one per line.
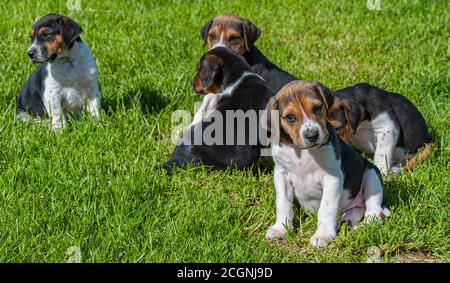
<point>66,80</point>
<point>316,167</point>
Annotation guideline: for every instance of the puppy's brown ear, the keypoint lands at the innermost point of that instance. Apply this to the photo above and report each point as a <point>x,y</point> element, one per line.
<point>272,105</point>
<point>326,94</point>
<point>204,31</point>
<point>353,114</point>
<point>251,33</point>
<point>70,30</point>
<point>209,75</point>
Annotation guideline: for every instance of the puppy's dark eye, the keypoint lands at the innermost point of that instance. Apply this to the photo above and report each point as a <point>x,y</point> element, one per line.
<point>290,118</point>
<point>316,109</point>
<point>233,38</point>
<point>45,35</point>
<point>212,36</point>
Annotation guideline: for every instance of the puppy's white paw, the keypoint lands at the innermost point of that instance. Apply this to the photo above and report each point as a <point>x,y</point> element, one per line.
<point>57,127</point>
<point>321,239</point>
<point>276,232</point>
<point>377,215</point>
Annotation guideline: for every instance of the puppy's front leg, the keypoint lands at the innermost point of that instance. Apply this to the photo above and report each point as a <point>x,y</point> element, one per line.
<point>52,102</point>
<point>284,198</point>
<point>93,105</point>
<point>328,211</point>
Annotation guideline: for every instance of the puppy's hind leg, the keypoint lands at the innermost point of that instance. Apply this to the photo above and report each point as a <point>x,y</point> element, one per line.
<point>373,197</point>
<point>353,216</point>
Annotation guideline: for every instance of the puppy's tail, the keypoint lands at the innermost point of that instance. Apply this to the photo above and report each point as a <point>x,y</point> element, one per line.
<point>418,157</point>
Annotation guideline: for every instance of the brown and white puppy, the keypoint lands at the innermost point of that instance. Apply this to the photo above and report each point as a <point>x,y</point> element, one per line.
<point>314,166</point>
<point>240,35</point>
<point>233,94</point>
<point>381,123</point>
<point>66,79</point>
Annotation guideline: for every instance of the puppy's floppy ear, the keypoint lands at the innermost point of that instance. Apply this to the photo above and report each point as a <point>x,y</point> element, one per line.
<point>209,73</point>
<point>353,113</point>
<point>251,33</point>
<point>204,31</point>
<point>266,122</point>
<point>326,94</point>
<point>70,30</point>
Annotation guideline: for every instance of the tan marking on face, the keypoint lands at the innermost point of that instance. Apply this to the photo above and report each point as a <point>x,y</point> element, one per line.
<point>300,99</point>
<point>42,30</point>
<point>56,46</point>
<point>232,38</point>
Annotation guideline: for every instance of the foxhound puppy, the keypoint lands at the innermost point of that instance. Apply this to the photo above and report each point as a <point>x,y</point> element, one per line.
<point>315,167</point>
<point>381,123</point>
<point>240,35</point>
<point>233,95</point>
<point>66,79</point>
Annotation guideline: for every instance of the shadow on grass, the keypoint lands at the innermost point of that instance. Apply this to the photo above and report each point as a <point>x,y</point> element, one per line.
<point>148,100</point>
<point>398,191</point>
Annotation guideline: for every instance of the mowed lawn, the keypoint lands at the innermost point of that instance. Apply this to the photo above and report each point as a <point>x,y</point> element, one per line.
<point>94,186</point>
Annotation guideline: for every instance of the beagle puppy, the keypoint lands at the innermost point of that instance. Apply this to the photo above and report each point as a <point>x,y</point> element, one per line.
<point>240,35</point>
<point>230,88</point>
<point>66,79</point>
<point>314,166</point>
<point>385,124</point>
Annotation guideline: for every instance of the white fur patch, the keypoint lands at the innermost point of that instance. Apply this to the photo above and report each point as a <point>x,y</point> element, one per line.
<point>379,137</point>
<point>315,178</point>
<point>71,84</point>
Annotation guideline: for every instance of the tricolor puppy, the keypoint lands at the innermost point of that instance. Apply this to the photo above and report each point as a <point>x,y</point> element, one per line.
<point>66,79</point>
<point>240,35</point>
<point>230,88</point>
<point>314,166</point>
<point>381,123</point>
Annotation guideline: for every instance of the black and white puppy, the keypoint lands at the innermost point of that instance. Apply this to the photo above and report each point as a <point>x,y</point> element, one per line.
<point>382,123</point>
<point>66,79</point>
<point>240,35</point>
<point>230,87</point>
<point>314,166</point>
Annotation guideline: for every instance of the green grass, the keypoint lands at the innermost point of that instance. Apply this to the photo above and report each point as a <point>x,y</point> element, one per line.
<point>93,185</point>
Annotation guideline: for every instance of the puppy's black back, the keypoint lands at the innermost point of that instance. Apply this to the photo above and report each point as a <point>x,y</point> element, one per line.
<point>30,96</point>
<point>413,129</point>
<point>275,77</point>
<point>252,94</point>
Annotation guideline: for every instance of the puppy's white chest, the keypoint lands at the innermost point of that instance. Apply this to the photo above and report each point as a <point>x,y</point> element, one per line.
<point>303,173</point>
<point>73,80</point>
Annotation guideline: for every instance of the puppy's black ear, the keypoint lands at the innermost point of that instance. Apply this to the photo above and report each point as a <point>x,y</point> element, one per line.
<point>326,94</point>
<point>204,31</point>
<point>208,74</point>
<point>70,30</point>
<point>353,113</point>
<point>251,33</point>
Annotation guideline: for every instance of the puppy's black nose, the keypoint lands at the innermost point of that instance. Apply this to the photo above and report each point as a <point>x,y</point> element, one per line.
<point>311,134</point>
<point>31,54</point>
